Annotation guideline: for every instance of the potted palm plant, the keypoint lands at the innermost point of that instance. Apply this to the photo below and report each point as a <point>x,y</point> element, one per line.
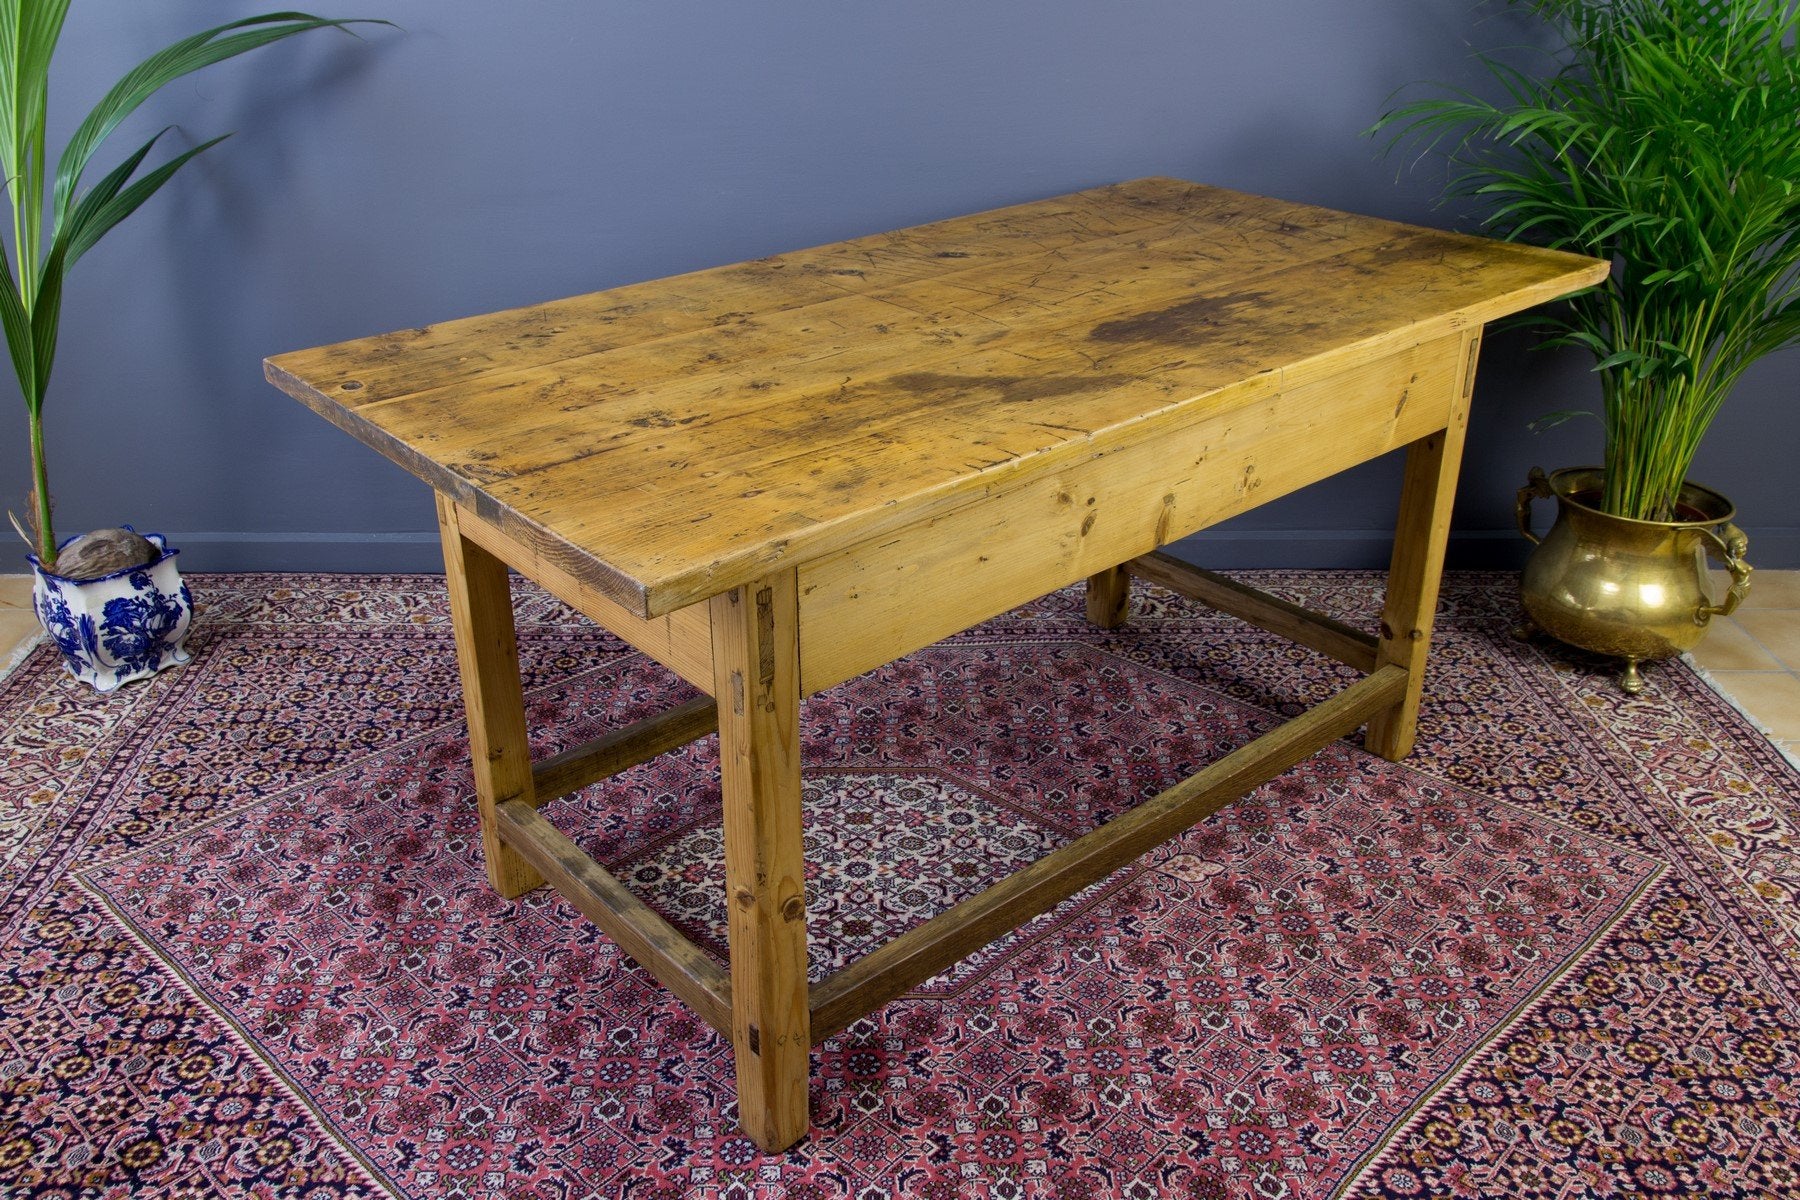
<point>1666,141</point>
<point>113,601</point>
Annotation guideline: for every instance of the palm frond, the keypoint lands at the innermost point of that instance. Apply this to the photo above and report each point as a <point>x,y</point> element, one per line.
<point>17,324</point>
<point>102,208</point>
<point>32,288</point>
<point>184,57</point>
<point>29,30</point>
<point>1669,145</point>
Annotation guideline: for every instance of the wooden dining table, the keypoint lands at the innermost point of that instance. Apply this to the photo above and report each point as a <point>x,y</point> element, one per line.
<point>773,476</point>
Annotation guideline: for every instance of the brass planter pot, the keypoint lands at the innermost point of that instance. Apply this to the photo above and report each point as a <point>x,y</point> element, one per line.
<point>1636,590</point>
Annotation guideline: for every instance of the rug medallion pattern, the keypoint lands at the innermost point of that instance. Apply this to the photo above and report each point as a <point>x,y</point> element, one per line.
<point>249,949</point>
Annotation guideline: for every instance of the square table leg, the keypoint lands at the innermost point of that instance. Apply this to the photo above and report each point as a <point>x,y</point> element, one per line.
<point>1109,597</point>
<point>1417,568</point>
<point>487,655</point>
<point>756,672</point>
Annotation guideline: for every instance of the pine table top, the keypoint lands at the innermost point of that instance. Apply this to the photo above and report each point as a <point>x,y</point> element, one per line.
<point>669,440</point>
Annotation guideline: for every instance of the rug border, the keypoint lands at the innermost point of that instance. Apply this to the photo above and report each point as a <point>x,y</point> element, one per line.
<point>235,1032</point>
<point>1749,924</point>
<point>1378,1154</point>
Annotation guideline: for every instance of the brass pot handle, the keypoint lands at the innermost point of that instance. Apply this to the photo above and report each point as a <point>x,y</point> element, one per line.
<point>1731,548</point>
<point>1537,487</point>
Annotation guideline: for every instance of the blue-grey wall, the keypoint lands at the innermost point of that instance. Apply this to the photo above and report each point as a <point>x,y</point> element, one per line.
<point>493,154</point>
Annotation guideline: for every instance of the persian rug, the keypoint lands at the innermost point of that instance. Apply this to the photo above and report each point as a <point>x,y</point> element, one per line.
<point>247,947</point>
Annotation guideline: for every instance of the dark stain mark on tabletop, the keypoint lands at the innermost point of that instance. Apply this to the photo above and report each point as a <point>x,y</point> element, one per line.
<point>1009,389</point>
<point>477,472</point>
<point>1178,322</point>
<point>658,419</point>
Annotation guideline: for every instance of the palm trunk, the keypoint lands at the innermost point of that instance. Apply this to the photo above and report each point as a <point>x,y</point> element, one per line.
<point>40,493</point>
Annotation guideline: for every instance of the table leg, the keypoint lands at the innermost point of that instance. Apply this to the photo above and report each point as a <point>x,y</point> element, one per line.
<point>756,672</point>
<point>1417,567</point>
<point>487,655</point>
<point>1108,597</point>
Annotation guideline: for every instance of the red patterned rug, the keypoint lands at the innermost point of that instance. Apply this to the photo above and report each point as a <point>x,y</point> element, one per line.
<point>248,949</point>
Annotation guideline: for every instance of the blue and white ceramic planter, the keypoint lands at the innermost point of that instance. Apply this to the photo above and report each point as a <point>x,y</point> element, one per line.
<point>120,627</point>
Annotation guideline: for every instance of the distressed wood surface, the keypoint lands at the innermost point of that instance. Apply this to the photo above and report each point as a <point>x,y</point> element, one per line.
<point>622,749</point>
<point>896,592</point>
<point>1416,568</point>
<point>954,934</point>
<point>680,640</point>
<point>661,443</point>
<point>1325,634</point>
<point>636,928</point>
<point>757,681</point>
<point>487,657</point>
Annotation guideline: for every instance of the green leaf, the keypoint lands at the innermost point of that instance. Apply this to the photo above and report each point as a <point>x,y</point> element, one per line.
<point>1551,420</point>
<point>99,211</point>
<point>17,323</point>
<point>1620,358</point>
<point>1669,145</point>
<point>46,319</point>
<point>184,57</point>
<point>29,30</point>
<point>115,179</point>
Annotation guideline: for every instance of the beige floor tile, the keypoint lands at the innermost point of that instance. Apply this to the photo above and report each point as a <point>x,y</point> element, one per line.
<point>1726,647</point>
<point>1778,631</point>
<point>1768,589</point>
<point>1773,589</point>
<point>1771,697</point>
<point>15,591</point>
<point>16,626</point>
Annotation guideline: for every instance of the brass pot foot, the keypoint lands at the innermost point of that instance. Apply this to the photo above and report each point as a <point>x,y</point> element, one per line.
<point>1526,630</point>
<point>1630,682</point>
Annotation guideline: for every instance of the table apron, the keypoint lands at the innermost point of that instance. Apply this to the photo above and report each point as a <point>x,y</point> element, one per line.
<point>906,589</point>
<point>680,641</point>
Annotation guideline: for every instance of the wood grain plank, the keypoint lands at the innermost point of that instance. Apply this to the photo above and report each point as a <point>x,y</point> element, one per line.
<point>487,657</point>
<point>447,352</point>
<point>744,363</point>
<point>635,927</point>
<point>1324,634</point>
<point>680,640</point>
<point>757,679</point>
<point>728,424</point>
<point>1427,495</point>
<point>954,934</point>
<point>713,504</point>
<point>888,595</point>
<point>622,749</point>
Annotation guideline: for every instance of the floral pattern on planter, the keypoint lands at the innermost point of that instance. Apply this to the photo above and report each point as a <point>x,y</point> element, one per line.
<point>120,627</point>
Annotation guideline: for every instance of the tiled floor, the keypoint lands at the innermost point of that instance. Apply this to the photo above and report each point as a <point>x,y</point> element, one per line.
<point>1753,657</point>
<point>18,623</point>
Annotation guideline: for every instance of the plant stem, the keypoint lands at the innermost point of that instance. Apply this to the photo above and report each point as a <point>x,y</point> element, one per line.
<point>40,492</point>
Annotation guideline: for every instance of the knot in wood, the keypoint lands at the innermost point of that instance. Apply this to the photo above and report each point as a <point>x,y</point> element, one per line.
<point>793,908</point>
